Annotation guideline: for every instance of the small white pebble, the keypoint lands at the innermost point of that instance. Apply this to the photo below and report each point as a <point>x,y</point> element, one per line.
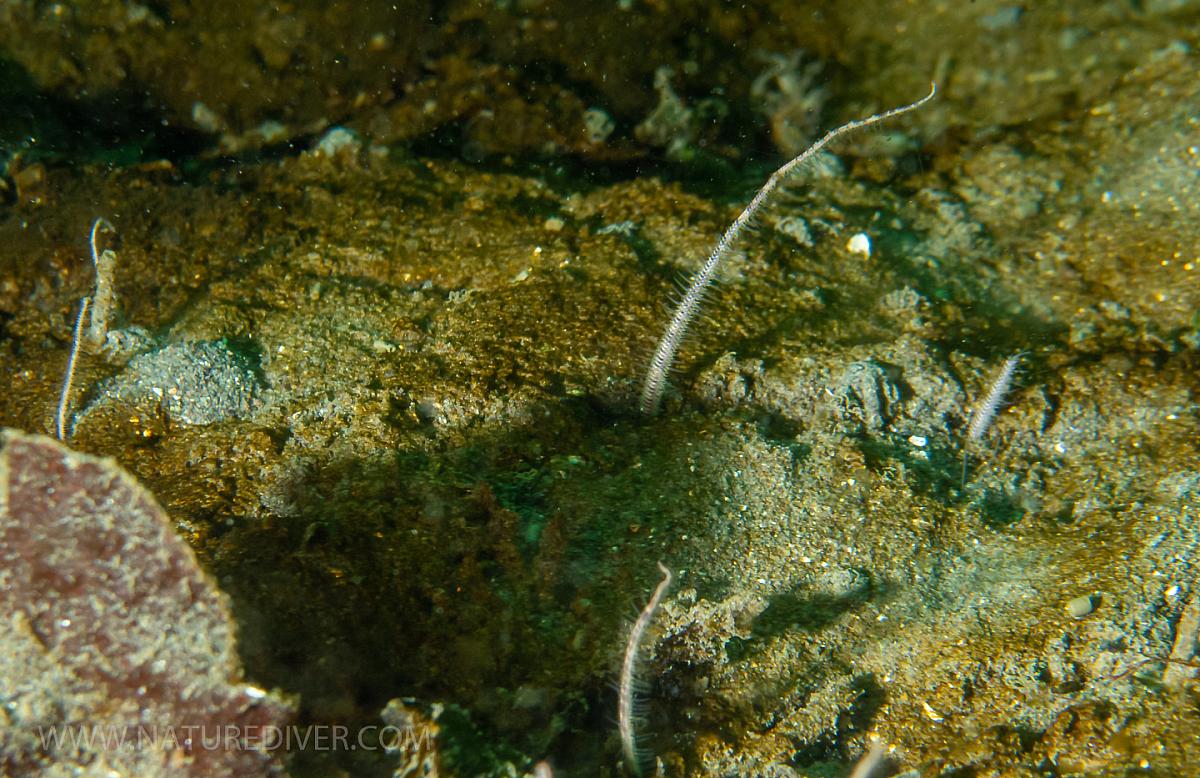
<point>1171,594</point>
<point>1080,606</point>
<point>859,244</point>
<point>337,141</point>
<point>206,118</point>
<point>918,440</point>
<point>553,224</point>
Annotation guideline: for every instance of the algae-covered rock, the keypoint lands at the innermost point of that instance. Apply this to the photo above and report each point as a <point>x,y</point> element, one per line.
<point>119,653</point>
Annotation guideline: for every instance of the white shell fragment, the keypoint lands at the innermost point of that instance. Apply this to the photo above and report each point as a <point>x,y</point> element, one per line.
<point>1080,606</point>
<point>859,243</point>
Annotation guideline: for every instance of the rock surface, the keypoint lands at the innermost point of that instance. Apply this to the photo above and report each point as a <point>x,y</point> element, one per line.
<point>441,489</point>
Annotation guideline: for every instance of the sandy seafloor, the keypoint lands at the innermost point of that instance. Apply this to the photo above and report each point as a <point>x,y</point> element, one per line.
<point>388,280</point>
